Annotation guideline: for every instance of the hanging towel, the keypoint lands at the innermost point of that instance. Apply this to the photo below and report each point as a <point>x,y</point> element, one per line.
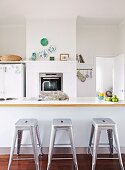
<point>80,76</point>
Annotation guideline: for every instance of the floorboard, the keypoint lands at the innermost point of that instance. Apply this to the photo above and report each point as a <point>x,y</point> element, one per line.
<point>84,163</point>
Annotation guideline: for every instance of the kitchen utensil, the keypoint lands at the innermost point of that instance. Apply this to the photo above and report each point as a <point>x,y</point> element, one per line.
<point>90,73</point>
<point>87,75</point>
<point>80,76</point>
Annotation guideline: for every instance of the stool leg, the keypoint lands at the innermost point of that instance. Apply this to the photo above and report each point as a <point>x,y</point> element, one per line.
<point>34,145</point>
<point>12,149</point>
<point>52,140</point>
<point>20,132</point>
<point>39,139</point>
<point>95,146</point>
<point>118,147</point>
<point>110,138</point>
<point>73,147</point>
<point>91,137</point>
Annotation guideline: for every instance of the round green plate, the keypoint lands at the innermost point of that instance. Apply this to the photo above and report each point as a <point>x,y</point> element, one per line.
<point>44,42</point>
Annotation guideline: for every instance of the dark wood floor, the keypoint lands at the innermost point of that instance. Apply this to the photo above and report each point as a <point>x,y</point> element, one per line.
<point>84,163</point>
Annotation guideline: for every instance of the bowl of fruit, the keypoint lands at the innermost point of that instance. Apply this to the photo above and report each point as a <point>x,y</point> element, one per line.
<point>101,96</point>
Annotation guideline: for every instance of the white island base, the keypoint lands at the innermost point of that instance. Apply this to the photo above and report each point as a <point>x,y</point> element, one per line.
<point>81,111</point>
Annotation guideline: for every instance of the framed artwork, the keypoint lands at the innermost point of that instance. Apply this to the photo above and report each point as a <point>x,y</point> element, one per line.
<point>51,58</point>
<point>64,57</point>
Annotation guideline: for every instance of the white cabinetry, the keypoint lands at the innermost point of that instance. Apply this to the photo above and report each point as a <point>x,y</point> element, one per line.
<point>119,76</point>
<point>11,80</point>
<point>2,71</point>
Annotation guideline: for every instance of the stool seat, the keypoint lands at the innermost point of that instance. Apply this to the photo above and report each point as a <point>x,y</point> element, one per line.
<point>62,123</point>
<point>103,122</point>
<point>26,122</point>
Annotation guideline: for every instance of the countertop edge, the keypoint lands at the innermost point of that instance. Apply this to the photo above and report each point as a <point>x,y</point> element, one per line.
<point>63,105</point>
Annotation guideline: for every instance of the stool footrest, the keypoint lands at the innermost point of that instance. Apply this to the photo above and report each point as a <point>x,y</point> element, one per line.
<point>61,158</point>
<point>62,144</point>
<point>100,144</point>
<point>20,159</point>
<point>107,158</point>
<point>90,150</point>
<point>27,144</point>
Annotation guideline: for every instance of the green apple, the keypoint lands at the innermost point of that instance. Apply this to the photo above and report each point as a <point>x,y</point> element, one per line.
<point>114,96</point>
<point>108,99</point>
<point>114,99</point>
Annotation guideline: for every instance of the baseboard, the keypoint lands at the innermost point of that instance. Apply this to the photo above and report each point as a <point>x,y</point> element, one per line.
<point>79,150</point>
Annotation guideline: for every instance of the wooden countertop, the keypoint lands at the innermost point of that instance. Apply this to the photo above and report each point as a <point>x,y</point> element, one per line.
<point>73,102</point>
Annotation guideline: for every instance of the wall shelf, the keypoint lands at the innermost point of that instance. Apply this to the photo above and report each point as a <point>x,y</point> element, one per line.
<point>37,61</point>
<point>84,69</point>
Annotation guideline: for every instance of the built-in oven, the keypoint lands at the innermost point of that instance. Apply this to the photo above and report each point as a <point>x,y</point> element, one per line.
<point>51,81</point>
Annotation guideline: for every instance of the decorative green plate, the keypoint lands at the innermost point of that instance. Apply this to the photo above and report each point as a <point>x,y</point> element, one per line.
<point>44,42</point>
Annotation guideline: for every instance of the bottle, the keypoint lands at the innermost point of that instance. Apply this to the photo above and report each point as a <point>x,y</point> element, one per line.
<point>33,57</point>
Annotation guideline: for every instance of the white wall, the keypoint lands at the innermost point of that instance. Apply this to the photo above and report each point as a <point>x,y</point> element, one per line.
<point>59,32</point>
<point>93,41</point>
<point>104,74</point>
<point>13,40</point>
<point>86,88</point>
<point>98,40</point>
<point>122,38</point>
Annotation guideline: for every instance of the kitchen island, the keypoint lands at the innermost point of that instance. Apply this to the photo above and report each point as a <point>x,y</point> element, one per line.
<point>80,110</point>
<point>73,102</point>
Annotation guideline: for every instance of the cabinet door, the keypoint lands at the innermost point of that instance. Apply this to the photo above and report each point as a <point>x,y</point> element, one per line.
<point>119,76</point>
<point>1,81</point>
<point>13,81</point>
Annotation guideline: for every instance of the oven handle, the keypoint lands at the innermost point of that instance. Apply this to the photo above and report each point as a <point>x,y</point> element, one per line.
<point>50,78</point>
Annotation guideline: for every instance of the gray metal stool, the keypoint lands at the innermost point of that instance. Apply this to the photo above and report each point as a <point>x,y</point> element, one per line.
<point>61,124</point>
<point>98,125</point>
<point>30,125</point>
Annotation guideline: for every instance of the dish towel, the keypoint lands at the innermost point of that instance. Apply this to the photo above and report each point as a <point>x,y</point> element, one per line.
<point>80,76</point>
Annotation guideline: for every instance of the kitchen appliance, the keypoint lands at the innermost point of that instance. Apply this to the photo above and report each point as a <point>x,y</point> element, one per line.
<point>12,81</point>
<point>50,82</point>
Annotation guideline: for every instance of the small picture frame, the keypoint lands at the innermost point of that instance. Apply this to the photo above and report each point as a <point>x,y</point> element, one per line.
<point>52,58</point>
<point>64,57</point>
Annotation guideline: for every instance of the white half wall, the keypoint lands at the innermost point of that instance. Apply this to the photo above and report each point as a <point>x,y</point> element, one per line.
<point>13,40</point>
<point>81,118</point>
<point>60,32</point>
<point>68,68</point>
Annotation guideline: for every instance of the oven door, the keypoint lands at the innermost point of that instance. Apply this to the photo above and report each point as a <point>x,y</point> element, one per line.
<point>50,83</point>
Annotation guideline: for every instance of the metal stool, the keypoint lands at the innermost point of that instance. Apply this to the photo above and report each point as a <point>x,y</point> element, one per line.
<point>61,124</point>
<point>30,125</point>
<point>99,124</point>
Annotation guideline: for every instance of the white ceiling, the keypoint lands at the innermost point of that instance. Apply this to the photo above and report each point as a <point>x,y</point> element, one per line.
<point>15,11</point>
